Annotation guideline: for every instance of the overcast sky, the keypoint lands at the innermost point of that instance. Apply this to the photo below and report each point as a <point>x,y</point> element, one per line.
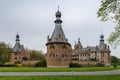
<point>34,20</point>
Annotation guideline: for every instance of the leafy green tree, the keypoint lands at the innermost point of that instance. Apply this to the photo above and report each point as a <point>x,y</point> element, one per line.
<point>110,10</point>
<point>114,59</point>
<point>4,52</point>
<point>36,55</point>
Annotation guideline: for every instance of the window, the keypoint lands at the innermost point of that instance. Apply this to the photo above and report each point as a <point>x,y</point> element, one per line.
<point>15,54</point>
<point>56,55</point>
<point>64,46</point>
<point>64,55</point>
<point>52,55</point>
<point>55,39</point>
<point>52,46</point>
<point>15,58</point>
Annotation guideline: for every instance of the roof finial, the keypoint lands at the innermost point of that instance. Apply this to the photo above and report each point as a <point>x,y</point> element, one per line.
<point>17,37</point>
<point>102,31</point>
<point>78,40</point>
<point>17,32</point>
<point>58,7</point>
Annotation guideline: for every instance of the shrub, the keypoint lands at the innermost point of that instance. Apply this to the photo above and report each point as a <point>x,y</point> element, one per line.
<point>18,65</point>
<point>42,63</point>
<point>17,62</point>
<point>114,65</point>
<point>7,63</point>
<point>74,65</point>
<point>99,65</point>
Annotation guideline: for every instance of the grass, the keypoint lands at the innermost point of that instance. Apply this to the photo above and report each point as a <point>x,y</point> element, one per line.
<point>39,69</point>
<point>94,77</point>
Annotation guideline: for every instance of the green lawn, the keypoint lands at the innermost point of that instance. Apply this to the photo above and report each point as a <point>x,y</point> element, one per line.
<point>98,77</point>
<point>39,69</point>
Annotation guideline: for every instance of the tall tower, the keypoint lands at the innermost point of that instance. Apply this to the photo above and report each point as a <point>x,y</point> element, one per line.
<point>58,49</point>
<point>18,53</point>
<point>78,45</point>
<point>104,51</point>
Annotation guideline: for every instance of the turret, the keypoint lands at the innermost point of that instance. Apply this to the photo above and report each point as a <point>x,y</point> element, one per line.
<point>17,46</point>
<point>58,49</point>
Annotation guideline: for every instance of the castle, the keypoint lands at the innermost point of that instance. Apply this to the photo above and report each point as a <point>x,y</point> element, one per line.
<point>60,53</point>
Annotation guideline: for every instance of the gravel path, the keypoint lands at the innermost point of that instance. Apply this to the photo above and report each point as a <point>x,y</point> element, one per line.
<point>59,73</point>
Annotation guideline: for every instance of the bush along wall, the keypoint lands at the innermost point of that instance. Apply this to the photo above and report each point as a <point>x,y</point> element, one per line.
<point>42,63</point>
<point>74,65</point>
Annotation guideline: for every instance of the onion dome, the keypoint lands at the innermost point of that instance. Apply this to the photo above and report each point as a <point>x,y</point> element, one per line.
<point>17,37</point>
<point>17,46</point>
<point>58,14</point>
<point>102,36</point>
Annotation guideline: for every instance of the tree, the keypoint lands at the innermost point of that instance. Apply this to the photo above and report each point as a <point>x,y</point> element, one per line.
<point>4,52</point>
<point>110,10</point>
<point>36,55</point>
<point>114,59</point>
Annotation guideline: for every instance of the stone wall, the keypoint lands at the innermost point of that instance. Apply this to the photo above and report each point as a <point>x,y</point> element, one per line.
<point>29,62</point>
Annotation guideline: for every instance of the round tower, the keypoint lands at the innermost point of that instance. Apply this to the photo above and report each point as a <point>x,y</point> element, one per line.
<point>58,49</point>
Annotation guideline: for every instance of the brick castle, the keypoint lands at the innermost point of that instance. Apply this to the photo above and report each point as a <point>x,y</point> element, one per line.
<point>60,53</point>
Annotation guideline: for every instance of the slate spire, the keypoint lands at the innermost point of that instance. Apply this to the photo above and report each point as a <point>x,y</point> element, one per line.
<point>17,46</point>
<point>58,33</point>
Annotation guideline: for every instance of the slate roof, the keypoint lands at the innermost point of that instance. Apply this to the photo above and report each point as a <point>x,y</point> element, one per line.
<point>79,51</point>
<point>92,49</point>
<point>58,32</point>
<point>17,46</point>
<point>102,47</point>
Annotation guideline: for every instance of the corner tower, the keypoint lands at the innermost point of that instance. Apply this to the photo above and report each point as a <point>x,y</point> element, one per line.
<point>18,53</point>
<point>104,50</point>
<point>58,48</point>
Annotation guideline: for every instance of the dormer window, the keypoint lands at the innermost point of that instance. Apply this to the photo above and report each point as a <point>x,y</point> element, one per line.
<point>55,39</point>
